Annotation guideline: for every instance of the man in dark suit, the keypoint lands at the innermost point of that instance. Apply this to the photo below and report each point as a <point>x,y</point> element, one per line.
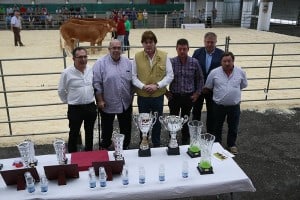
<point>209,58</point>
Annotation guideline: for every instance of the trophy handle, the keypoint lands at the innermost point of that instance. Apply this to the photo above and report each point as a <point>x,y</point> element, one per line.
<point>161,120</point>
<point>154,119</point>
<point>135,117</point>
<point>185,119</point>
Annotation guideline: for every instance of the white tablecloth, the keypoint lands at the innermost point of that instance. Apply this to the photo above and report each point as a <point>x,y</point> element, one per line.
<point>227,177</point>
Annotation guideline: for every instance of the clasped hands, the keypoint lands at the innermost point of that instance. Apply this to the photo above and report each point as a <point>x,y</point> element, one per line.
<point>150,88</point>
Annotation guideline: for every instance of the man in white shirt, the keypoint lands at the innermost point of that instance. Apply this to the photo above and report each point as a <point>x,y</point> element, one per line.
<point>226,82</point>
<point>76,89</point>
<point>16,27</point>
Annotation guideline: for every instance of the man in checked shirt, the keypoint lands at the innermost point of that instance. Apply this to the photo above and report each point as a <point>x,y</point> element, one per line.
<point>186,85</point>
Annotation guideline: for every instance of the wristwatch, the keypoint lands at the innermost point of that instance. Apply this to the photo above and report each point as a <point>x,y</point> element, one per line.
<point>157,85</point>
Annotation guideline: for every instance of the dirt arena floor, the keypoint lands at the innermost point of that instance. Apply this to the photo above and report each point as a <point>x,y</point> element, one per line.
<point>269,130</point>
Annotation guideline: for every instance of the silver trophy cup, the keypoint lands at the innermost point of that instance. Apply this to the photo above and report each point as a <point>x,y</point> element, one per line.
<point>145,122</point>
<point>32,160</point>
<point>173,123</point>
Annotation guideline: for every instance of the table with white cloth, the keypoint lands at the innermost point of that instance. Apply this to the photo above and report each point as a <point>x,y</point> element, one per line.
<point>228,177</point>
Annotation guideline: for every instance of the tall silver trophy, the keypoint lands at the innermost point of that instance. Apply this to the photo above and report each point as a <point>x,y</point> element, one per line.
<point>145,122</point>
<point>173,123</point>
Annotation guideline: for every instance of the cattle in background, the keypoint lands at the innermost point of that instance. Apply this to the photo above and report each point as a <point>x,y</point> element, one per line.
<point>75,30</point>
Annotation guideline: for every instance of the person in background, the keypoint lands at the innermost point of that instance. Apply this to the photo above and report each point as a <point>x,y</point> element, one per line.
<point>140,18</point>
<point>151,73</point>
<point>114,93</point>
<point>127,31</point>
<point>186,85</point>
<point>145,18</point>
<point>121,31</point>
<point>226,82</point>
<point>209,58</point>
<point>16,26</point>
<point>76,89</point>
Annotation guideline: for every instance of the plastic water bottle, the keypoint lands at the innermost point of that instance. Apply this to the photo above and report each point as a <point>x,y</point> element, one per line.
<point>29,182</point>
<point>102,177</point>
<point>161,173</point>
<point>185,169</point>
<point>44,184</point>
<point>142,175</point>
<point>92,177</point>
<point>125,180</point>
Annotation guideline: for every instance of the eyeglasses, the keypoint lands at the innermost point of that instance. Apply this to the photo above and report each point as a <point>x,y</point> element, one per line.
<point>81,57</point>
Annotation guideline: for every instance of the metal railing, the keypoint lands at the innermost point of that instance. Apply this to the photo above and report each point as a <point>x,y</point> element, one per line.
<point>271,58</point>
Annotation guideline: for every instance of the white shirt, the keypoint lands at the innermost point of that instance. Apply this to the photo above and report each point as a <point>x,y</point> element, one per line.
<point>75,87</point>
<point>16,22</point>
<point>163,83</point>
<point>226,89</point>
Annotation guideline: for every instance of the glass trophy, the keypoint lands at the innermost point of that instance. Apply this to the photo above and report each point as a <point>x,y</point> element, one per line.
<point>118,140</point>
<point>195,128</point>
<point>24,149</point>
<point>145,122</point>
<point>206,144</point>
<point>32,160</point>
<point>60,150</point>
<point>173,124</point>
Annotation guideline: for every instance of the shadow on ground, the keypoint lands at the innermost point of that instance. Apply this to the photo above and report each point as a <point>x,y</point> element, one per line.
<point>269,145</point>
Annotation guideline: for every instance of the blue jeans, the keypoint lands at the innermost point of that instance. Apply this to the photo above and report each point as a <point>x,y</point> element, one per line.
<point>152,104</point>
<point>233,118</point>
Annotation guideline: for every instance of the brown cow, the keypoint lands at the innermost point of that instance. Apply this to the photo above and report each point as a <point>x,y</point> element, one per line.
<point>95,21</point>
<point>92,33</point>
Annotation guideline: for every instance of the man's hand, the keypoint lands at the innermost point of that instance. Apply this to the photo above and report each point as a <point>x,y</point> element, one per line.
<point>151,88</point>
<point>101,105</point>
<point>195,96</point>
<point>169,95</point>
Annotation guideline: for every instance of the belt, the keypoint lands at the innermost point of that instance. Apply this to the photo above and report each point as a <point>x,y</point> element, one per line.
<point>182,94</point>
<point>81,105</point>
<point>226,105</point>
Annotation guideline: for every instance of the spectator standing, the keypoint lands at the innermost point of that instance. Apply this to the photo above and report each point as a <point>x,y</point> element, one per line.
<point>127,31</point>
<point>133,17</point>
<point>226,82</point>
<point>181,17</point>
<point>209,58</point>
<point>151,73</point>
<point>121,31</point>
<point>174,19</point>
<point>186,85</point>
<point>16,26</point>
<point>145,18</point>
<point>76,89</point>
<point>114,93</point>
<point>140,18</point>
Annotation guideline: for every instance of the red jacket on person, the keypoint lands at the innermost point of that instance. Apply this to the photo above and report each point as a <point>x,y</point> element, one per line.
<point>121,27</point>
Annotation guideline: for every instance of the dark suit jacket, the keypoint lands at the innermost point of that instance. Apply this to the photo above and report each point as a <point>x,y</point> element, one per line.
<point>200,55</point>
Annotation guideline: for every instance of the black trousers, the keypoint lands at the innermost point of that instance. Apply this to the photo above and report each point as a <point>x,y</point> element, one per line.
<point>197,109</point>
<point>77,114</point>
<point>183,103</point>
<point>232,113</point>
<point>17,36</point>
<point>107,121</point>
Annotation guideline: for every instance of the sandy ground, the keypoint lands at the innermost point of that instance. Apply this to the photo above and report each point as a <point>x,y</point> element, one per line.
<point>40,44</point>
